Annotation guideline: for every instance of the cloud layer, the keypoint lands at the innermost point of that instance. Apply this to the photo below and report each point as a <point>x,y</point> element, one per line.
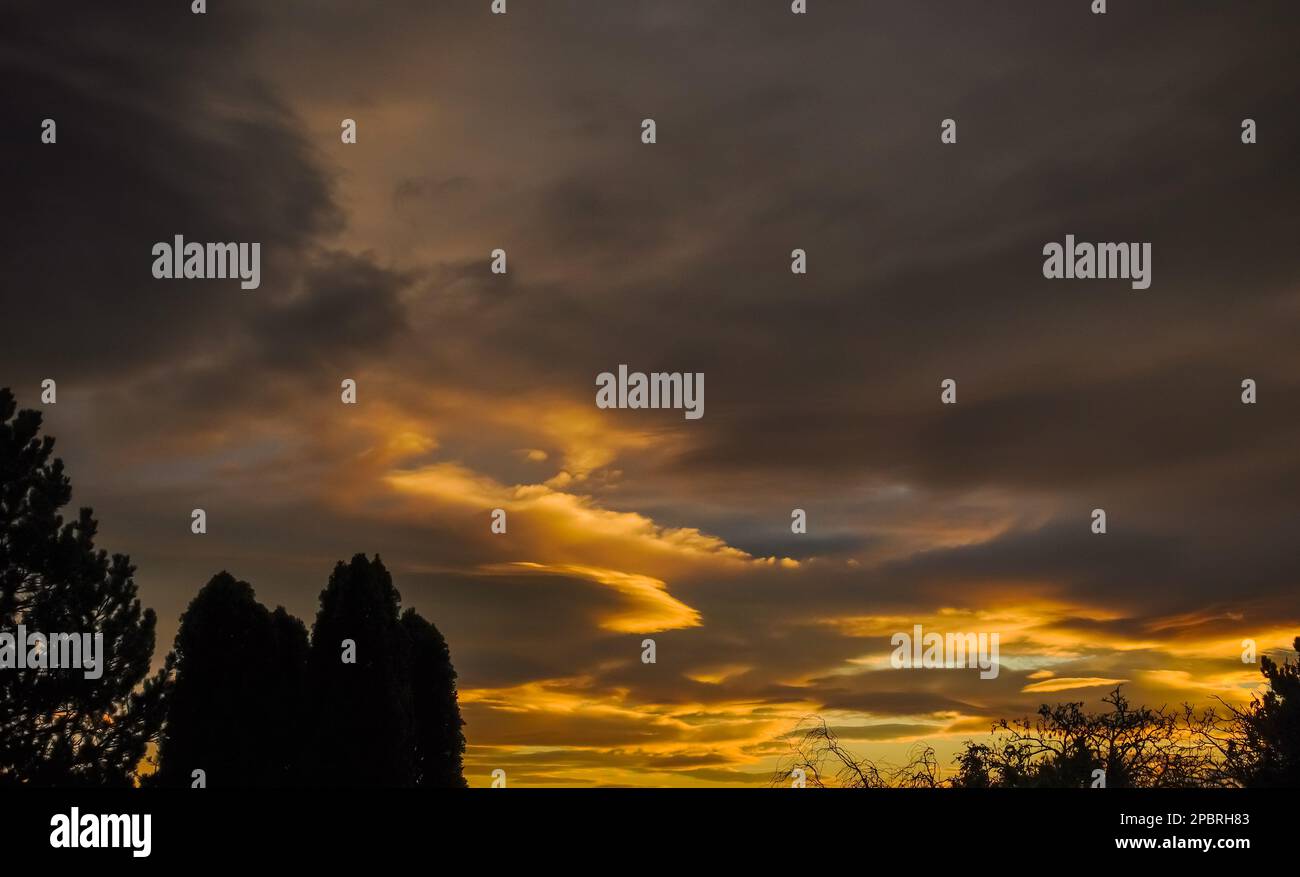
<point>475,391</point>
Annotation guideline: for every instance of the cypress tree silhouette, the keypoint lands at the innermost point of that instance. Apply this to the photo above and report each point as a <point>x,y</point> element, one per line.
<point>390,718</point>
<point>439,741</point>
<point>286,736</point>
<point>234,708</point>
<point>363,722</point>
<point>56,726</point>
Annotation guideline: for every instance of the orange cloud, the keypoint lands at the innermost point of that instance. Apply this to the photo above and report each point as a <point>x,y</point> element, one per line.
<point>651,608</point>
<point>1068,683</point>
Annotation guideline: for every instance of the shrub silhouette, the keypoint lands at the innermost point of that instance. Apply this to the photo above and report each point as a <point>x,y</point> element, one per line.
<point>1066,746</point>
<point>1139,747</point>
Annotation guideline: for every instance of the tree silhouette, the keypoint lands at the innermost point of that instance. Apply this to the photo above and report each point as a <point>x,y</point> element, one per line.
<point>56,726</point>
<point>289,665</point>
<point>439,741</point>
<point>1263,748</point>
<point>389,716</point>
<point>251,703</point>
<point>236,697</point>
<point>363,724</point>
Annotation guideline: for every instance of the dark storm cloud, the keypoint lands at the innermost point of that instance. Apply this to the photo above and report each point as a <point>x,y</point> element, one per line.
<point>349,309</point>
<point>163,132</point>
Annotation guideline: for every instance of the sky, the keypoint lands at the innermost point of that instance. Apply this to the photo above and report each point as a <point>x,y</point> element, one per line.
<point>476,390</point>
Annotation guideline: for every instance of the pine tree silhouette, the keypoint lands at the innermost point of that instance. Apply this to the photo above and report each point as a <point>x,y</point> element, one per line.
<point>1265,747</point>
<point>56,726</point>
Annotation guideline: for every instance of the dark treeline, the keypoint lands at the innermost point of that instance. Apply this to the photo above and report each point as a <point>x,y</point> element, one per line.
<point>368,700</point>
<point>245,698</point>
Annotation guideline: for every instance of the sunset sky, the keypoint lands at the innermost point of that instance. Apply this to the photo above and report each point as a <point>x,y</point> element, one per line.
<point>476,391</point>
